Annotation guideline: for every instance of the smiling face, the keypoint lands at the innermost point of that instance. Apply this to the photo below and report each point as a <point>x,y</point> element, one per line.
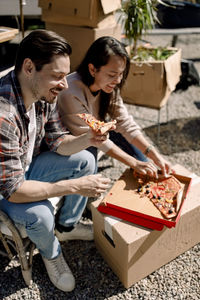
<point>47,83</point>
<point>108,76</point>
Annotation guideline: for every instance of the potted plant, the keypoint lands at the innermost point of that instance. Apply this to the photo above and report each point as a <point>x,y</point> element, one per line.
<point>154,71</point>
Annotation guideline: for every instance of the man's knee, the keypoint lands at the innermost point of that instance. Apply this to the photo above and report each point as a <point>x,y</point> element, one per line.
<point>41,216</point>
<point>91,161</point>
<point>87,162</point>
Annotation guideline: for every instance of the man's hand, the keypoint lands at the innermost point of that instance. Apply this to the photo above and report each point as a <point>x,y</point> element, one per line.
<point>92,185</point>
<point>96,138</point>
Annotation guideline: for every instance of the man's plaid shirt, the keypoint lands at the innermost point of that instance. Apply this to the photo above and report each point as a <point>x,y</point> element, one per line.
<point>14,140</point>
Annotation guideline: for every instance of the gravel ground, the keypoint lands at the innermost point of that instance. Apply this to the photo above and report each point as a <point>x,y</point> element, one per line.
<point>179,279</point>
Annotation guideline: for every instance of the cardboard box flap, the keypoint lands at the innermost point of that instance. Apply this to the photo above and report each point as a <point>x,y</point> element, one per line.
<point>173,70</point>
<point>110,6</point>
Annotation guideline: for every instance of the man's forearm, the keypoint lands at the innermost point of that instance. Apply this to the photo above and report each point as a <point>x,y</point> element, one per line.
<point>33,191</point>
<point>73,144</point>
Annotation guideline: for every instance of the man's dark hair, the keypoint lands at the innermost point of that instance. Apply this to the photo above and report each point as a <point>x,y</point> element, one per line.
<point>40,46</point>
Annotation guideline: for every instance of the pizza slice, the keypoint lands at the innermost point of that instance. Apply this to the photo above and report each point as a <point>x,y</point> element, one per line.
<point>98,126</point>
<point>165,194</point>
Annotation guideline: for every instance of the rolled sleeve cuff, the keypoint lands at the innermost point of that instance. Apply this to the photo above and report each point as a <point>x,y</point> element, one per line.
<point>11,187</point>
<point>54,146</point>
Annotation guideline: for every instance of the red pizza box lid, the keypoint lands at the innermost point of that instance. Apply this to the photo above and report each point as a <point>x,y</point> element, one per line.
<point>123,202</point>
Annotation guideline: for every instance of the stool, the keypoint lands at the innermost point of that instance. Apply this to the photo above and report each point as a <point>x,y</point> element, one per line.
<point>15,240</point>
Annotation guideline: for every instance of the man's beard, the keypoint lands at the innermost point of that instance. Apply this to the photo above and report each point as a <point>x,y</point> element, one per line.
<point>37,96</point>
<point>43,98</point>
<point>34,90</point>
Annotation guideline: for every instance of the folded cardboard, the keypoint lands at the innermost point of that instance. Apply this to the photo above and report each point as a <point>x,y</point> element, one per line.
<point>146,250</point>
<point>81,38</point>
<point>150,84</point>
<point>90,13</point>
<point>124,202</point>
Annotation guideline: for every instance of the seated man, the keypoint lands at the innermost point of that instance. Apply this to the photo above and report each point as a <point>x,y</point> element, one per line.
<point>28,177</point>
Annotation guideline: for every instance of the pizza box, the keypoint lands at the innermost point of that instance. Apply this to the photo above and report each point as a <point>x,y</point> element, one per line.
<point>123,202</point>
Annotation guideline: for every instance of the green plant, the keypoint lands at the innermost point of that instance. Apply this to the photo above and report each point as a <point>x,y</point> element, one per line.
<point>152,54</point>
<point>137,17</point>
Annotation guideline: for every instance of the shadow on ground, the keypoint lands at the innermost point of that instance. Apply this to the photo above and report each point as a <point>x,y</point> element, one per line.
<point>176,136</point>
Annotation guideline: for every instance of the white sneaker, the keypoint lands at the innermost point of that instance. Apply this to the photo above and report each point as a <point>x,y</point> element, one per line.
<point>60,273</point>
<point>80,232</point>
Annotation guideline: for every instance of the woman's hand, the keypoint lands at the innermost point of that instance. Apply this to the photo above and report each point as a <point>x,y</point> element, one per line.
<point>150,151</point>
<point>145,168</point>
<point>163,164</point>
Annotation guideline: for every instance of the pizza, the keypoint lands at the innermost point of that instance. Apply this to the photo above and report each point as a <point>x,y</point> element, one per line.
<point>96,125</point>
<point>164,193</point>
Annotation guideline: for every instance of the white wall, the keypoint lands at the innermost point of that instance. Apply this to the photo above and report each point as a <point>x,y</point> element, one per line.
<point>12,8</point>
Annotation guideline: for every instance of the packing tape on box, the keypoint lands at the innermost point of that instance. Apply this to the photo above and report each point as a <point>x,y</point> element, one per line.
<point>108,223</point>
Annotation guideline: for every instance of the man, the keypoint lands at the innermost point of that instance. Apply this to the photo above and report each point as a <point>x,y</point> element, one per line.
<point>28,177</point>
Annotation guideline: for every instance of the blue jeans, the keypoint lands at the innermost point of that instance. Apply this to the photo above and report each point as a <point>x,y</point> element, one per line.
<point>38,217</point>
<point>122,143</point>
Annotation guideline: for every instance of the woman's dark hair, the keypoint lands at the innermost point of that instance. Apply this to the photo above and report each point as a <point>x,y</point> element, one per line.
<point>40,46</point>
<point>99,54</point>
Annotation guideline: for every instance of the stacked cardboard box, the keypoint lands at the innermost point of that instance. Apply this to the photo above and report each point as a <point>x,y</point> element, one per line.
<point>150,84</point>
<point>81,22</point>
<point>145,250</point>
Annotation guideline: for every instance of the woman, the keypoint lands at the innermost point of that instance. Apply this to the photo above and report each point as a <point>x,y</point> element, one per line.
<point>95,89</point>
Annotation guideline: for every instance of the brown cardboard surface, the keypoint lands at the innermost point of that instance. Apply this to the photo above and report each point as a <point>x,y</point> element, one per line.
<point>79,13</point>
<point>81,38</point>
<point>123,198</point>
<point>151,83</point>
<point>7,33</point>
<point>145,250</point>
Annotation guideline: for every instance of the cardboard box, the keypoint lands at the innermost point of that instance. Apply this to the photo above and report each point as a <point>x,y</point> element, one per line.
<point>90,13</point>
<point>123,202</point>
<point>150,84</point>
<point>80,38</point>
<point>145,250</point>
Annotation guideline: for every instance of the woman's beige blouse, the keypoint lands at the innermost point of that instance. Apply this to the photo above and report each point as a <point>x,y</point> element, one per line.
<point>78,99</point>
